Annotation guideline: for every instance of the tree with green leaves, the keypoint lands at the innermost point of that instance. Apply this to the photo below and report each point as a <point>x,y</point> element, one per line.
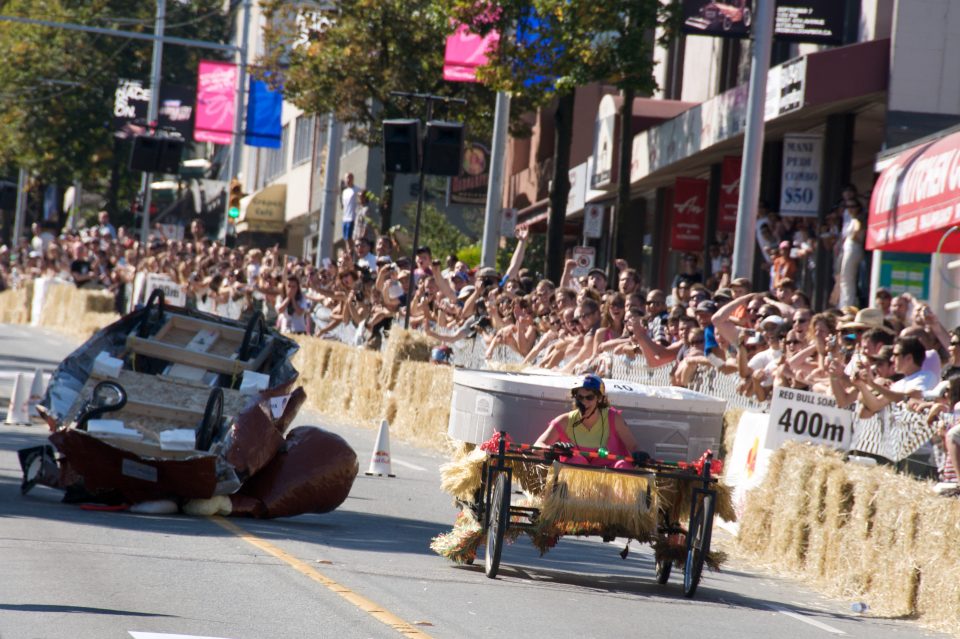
<point>57,85</point>
<point>558,45</point>
<point>351,60</point>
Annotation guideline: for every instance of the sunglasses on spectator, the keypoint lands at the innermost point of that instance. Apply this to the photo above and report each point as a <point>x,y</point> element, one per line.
<point>791,342</point>
<point>953,343</point>
<point>697,341</point>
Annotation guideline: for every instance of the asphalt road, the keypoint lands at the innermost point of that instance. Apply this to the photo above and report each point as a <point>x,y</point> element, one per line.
<point>364,570</point>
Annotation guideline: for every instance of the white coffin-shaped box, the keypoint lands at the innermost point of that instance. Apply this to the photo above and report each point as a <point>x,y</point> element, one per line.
<point>670,423</point>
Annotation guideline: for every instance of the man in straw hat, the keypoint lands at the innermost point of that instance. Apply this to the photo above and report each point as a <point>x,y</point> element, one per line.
<point>592,426</point>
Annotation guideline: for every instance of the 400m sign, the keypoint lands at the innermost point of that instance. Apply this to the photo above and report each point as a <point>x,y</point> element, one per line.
<point>811,417</point>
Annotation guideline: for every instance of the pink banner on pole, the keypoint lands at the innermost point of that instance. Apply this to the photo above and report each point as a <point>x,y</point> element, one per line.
<point>216,102</point>
<point>465,52</point>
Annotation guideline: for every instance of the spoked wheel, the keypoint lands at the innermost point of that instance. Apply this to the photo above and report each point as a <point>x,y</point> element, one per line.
<point>663,570</point>
<point>212,418</point>
<point>497,526</point>
<point>698,544</point>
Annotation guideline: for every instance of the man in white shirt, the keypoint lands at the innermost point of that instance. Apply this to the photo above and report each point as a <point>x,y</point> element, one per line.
<point>348,199</point>
<point>364,256</point>
<point>908,356</point>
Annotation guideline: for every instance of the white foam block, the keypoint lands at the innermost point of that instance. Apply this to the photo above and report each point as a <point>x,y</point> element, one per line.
<point>252,383</point>
<point>106,366</point>
<point>178,439</point>
<point>112,428</point>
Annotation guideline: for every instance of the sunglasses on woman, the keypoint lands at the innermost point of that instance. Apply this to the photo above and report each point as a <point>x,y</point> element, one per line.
<point>586,397</point>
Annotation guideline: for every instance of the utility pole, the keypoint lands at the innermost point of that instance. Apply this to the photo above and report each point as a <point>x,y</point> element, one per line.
<point>152,112</point>
<point>744,242</point>
<point>331,183</point>
<point>501,121</point>
<point>235,160</point>
<point>21,210</point>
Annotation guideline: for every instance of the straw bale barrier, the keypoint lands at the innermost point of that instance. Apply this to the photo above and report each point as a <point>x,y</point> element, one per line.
<point>77,312</point>
<point>420,404</point>
<point>860,533</point>
<point>15,306</point>
<point>401,346</point>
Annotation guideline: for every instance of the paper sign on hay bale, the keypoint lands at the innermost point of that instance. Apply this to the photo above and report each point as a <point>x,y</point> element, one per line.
<point>746,465</point>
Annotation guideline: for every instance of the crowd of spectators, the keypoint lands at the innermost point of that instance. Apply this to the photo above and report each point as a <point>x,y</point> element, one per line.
<point>894,350</point>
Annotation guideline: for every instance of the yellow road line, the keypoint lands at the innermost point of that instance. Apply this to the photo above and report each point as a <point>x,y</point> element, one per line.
<point>374,610</point>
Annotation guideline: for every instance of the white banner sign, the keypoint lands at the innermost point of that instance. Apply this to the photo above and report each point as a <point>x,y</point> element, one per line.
<point>810,417</point>
<point>584,255</point>
<point>593,221</point>
<point>800,181</point>
<point>173,293</point>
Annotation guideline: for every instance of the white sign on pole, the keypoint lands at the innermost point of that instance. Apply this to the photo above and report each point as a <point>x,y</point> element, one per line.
<point>800,181</point>
<point>584,255</point>
<point>508,222</point>
<point>173,293</point>
<point>809,417</point>
<point>593,221</point>
<point>172,231</point>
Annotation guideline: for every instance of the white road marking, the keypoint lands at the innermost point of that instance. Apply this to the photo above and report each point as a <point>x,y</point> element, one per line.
<point>160,635</point>
<point>400,462</point>
<point>807,620</point>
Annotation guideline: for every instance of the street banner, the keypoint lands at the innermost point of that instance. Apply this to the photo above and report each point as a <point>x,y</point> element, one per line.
<point>815,21</point>
<point>470,187</point>
<point>603,143</point>
<point>797,415</point>
<point>264,111</point>
<point>688,222</point>
<point>729,201</point>
<point>131,102</point>
<point>585,257</point>
<point>465,51</point>
<point>800,180</point>
<point>216,102</point>
<point>593,221</point>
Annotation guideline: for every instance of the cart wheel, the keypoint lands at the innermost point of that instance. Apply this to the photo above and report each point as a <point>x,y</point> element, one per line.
<point>154,306</point>
<point>747,17</point>
<point>499,517</point>
<point>212,418</point>
<point>663,570</point>
<point>253,336</point>
<point>698,545</point>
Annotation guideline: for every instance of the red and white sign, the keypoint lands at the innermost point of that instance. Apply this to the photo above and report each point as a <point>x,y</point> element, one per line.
<point>465,52</point>
<point>688,223</point>
<point>216,102</point>
<point>916,199</point>
<point>729,200</point>
<point>593,221</point>
<point>584,256</point>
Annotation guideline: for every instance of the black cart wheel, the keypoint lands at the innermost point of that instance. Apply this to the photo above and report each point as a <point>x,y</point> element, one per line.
<point>497,526</point>
<point>154,307</point>
<point>107,397</point>
<point>253,337</point>
<point>212,418</point>
<point>698,545</point>
<point>663,570</point>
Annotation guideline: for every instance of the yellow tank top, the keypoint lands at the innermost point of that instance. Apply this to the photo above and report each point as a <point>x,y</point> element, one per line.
<point>583,437</point>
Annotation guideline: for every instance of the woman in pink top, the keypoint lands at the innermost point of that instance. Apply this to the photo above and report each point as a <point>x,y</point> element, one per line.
<point>592,426</point>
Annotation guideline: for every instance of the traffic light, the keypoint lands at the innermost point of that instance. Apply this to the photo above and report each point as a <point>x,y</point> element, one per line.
<point>236,192</point>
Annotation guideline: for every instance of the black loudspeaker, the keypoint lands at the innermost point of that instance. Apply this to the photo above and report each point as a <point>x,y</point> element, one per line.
<point>171,149</point>
<point>443,148</point>
<point>145,152</point>
<point>401,146</point>
<point>156,155</point>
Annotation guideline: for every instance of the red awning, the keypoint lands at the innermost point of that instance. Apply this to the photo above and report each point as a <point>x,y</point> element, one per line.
<point>917,199</point>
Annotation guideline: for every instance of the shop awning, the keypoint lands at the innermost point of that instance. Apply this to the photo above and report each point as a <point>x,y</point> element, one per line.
<point>917,199</point>
<point>264,211</point>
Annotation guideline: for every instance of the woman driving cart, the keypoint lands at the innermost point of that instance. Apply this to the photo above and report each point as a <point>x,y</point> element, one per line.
<point>592,426</point>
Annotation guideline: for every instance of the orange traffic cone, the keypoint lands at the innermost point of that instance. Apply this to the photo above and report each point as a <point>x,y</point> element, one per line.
<point>380,460</point>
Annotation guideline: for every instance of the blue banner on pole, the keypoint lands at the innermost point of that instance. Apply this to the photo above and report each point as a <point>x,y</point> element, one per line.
<point>263,116</point>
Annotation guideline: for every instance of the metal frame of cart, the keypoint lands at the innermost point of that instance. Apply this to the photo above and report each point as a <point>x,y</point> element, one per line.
<point>498,514</point>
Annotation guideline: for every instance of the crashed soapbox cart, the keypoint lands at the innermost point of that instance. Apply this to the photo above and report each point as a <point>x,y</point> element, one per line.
<point>668,503</point>
<point>173,404</point>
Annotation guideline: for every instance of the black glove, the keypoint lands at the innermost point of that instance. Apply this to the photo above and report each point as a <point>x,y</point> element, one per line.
<point>563,449</point>
<point>640,458</point>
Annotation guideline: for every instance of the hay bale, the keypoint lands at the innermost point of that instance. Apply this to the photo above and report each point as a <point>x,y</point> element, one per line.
<point>422,397</point>
<point>76,311</point>
<point>728,432</point>
<point>937,554</point>
<point>15,306</point>
<point>757,519</point>
<point>402,345</point>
